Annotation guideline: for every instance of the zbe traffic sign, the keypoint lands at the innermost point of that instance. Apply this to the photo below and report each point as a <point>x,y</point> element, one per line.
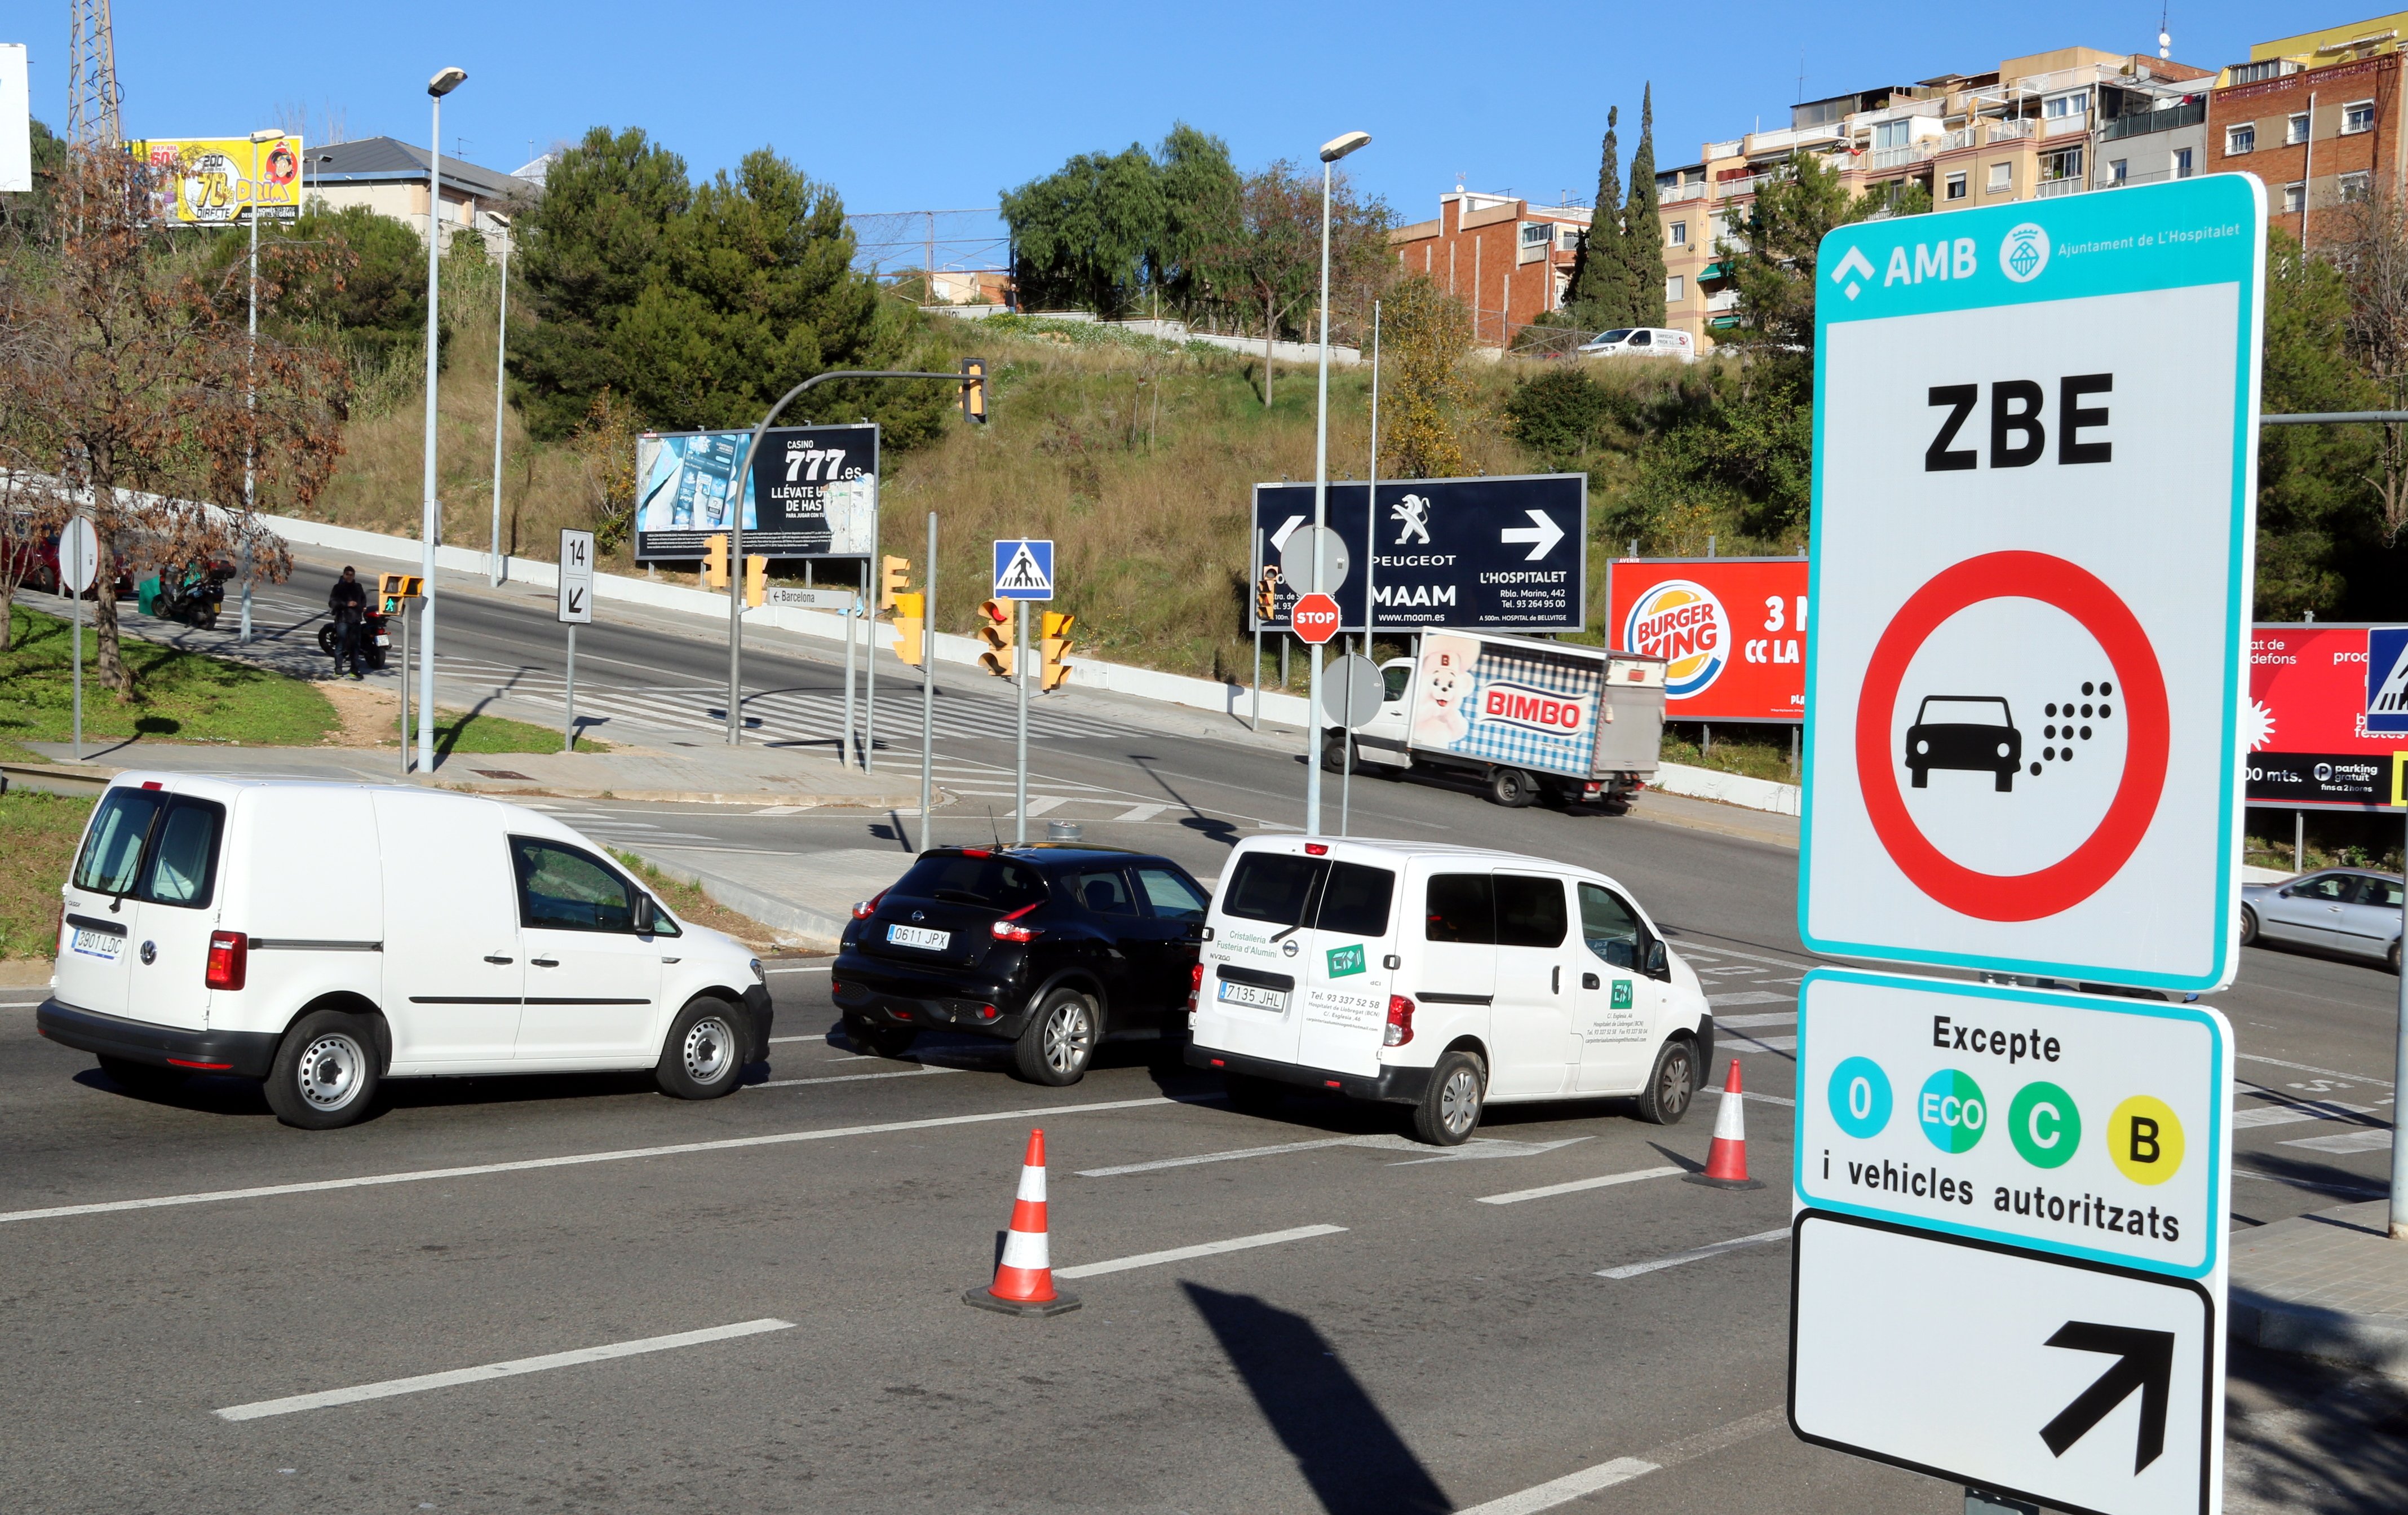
<point>2032,563</point>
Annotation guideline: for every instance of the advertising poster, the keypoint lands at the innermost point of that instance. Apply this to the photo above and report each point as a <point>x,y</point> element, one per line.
<point>1520,705</point>
<point>215,180</point>
<point>2312,687</point>
<point>1503,554</point>
<point>813,492</point>
<point>1732,632</point>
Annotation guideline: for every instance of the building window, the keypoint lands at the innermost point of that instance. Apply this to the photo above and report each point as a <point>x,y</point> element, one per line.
<point>2356,187</point>
<point>2295,200</point>
<point>1889,134</point>
<point>2240,139</point>
<point>2057,165</point>
<point>2065,105</point>
<point>1676,288</point>
<point>2117,171</point>
<point>1955,186</point>
<point>2002,178</point>
<point>1537,233</point>
<point>2294,130</point>
<point>1679,234</point>
<point>2356,116</point>
<point>2182,163</point>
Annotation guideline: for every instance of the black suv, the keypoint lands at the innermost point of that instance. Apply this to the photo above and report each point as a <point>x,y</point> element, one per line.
<point>1050,947</point>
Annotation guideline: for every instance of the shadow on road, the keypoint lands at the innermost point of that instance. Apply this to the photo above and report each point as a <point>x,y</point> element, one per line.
<point>1354,1458</point>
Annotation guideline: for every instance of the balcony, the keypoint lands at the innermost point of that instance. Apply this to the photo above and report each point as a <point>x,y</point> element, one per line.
<point>1721,150</point>
<point>2140,122</point>
<point>2051,188</point>
<point>2010,131</point>
<point>1679,193</point>
<point>1790,138</point>
<point>1897,157</point>
<point>1732,188</point>
<point>2065,125</point>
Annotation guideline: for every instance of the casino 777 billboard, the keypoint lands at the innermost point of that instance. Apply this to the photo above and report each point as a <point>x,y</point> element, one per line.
<point>1732,631</point>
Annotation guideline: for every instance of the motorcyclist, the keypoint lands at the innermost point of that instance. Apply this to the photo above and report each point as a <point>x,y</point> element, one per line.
<point>348,603</point>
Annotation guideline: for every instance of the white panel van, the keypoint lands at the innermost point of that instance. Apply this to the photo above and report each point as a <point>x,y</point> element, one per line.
<point>1640,341</point>
<point>323,937</point>
<point>1445,978</point>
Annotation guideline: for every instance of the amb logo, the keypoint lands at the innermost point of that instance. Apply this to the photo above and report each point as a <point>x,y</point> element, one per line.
<point>1682,623</point>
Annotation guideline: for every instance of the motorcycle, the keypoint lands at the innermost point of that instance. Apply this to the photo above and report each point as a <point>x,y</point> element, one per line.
<point>374,639</point>
<point>193,595</point>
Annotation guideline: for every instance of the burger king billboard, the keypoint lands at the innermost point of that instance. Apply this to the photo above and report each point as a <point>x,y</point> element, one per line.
<point>1731,633</point>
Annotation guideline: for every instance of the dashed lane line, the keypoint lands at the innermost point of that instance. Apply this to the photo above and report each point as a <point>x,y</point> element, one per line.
<point>1695,1254</point>
<point>2305,1067</point>
<point>420,1176</point>
<point>858,1078</point>
<point>1549,1191</point>
<point>1589,1480</point>
<point>1180,1254</point>
<point>261,1409</point>
<point>1388,1143</point>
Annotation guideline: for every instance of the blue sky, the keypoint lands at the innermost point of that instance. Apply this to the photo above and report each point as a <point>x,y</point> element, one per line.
<point>940,106</point>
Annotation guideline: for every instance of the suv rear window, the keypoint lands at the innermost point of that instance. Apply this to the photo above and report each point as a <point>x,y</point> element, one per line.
<point>958,878</point>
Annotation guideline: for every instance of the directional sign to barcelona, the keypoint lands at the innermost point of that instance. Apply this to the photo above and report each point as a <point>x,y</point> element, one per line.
<point>2034,482</point>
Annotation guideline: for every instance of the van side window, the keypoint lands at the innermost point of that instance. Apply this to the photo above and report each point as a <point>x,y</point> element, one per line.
<point>1609,927</point>
<point>569,891</point>
<point>1354,900</point>
<point>112,848</point>
<point>184,856</point>
<point>1460,907</point>
<point>1529,911</point>
<point>1273,888</point>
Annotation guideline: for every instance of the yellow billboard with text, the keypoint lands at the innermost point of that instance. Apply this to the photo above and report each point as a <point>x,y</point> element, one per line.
<point>216,180</point>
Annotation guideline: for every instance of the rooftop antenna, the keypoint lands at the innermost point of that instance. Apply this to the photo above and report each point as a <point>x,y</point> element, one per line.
<point>1801,75</point>
<point>2165,37</point>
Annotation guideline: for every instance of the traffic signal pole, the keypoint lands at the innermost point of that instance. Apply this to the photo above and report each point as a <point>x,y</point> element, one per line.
<point>929,687</point>
<point>1021,648</point>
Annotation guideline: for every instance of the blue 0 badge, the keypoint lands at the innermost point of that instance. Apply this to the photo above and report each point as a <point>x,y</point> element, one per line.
<point>1860,1097</point>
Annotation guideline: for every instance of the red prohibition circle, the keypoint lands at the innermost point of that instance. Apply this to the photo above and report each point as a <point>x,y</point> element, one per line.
<point>2079,875</point>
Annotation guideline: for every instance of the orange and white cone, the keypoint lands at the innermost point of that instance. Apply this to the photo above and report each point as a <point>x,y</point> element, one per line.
<point>1024,1276</point>
<point>1726,1158</point>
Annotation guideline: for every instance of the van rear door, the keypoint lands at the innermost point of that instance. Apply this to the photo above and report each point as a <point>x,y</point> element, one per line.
<point>168,982</point>
<point>1251,999</point>
<point>1345,973</point>
<point>95,944</point>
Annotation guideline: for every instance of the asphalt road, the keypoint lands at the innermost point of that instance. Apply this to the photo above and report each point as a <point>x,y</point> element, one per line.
<point>1435,1354</point>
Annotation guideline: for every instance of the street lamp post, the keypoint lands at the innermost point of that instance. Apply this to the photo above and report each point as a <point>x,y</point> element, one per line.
<point>250,382</point>
<point>501,359</point>
<point>428,525</point>
<point>1330,152</point>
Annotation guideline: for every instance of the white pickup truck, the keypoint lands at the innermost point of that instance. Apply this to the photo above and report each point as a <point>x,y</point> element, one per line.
<point>1528,717</point>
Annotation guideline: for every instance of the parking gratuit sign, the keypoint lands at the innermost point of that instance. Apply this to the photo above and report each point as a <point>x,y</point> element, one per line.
<point>2034,515</point>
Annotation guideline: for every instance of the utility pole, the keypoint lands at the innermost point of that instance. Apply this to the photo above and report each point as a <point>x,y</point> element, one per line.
<point>929,687</point>
<point>501,362</point>
<point>430,513</point>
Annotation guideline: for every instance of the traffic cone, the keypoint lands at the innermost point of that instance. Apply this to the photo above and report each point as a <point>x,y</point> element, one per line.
<point>1024,1277</point>
<point>1726,1158</point>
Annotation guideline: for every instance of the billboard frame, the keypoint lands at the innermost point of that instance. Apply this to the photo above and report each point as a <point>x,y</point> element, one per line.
<point>1670,713</point>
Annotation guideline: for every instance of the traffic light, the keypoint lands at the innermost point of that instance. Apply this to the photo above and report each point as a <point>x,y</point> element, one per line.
<point>894,575</point>
<point>910,625</point>
<point>974,390</point>
<point>757,579</point>
<point>1266,595</point>
<point>393,588</point>
<point>1056,648</point>
<point>714,560</point>
<point>995,635</point>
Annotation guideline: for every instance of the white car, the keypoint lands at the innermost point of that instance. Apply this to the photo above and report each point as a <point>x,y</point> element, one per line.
<point>1640,341</point>
<point>1445,978</point>
<point>322,937</point>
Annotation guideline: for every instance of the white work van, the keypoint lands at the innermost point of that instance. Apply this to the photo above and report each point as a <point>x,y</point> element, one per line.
<point>1525,717</point>
<point>1445,978</point>
<point>322,937</point>
<point>1640,341</point>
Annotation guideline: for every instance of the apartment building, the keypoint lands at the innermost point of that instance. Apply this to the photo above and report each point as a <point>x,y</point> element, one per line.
<point>2316,117</point>
<point>1506,259</point>
<point>390,178</point>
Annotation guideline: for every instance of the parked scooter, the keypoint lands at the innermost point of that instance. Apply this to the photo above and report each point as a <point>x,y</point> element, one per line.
<point>193,593</point>
<point>374,639</point>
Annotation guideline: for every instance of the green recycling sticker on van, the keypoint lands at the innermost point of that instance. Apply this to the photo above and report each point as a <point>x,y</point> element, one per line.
<point>1346,960</point>
<point>1622,994</point>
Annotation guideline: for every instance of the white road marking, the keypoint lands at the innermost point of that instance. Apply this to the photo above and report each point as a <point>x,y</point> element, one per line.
<point>1140,812</point>
<point>1751,1095</point>
<point>264,1408</point>
<point>1570,1487</point>
<point>1387,1143</point>
<point>1756,1043</point>
<point>1785,1017</point>
<point>858,1078</point>
<point>1753,997</point>
<point>1517,1196</point>
<point>2289,1112</point>
<point>2347,1142</point>
<point>1695,1254</point>
<point>574,1160</point>
<point>1180,1254</point>
<point>1039,807</point>
<point>2305,1067</point>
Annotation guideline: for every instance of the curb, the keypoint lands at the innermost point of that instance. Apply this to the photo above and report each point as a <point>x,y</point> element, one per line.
<point>798,924</point>
<point>693,797</point>
<point>57,778</point>
<point>2327,1336</point>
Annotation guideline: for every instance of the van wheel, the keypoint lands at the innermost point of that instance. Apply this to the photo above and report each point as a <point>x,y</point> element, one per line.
<point>704,1055</point>
<point>1671,1086</point>
<point>1333,753</point>
<point>324,1074</point>
<point>142,1077</point>
<point>1450,1107</point>
<point>1512,788</point>
<point>1250,1095</point>
<point>880,1041</point>
<point>1059,1041</point>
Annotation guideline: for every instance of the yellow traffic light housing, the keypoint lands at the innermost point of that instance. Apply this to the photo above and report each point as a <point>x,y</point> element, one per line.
<point>910,625</point>
<point>995,637</point>
<point>974,391</point>
<point>1267,593</point>
<point>714,560</point>
<point>757,579</point>
<point>1056,648</point>
<point>392,589</point>
<point>894,578</point>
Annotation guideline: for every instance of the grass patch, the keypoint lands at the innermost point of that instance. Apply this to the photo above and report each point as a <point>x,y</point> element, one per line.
<point>691,903</point>
<point>179,696</point>
<point>458,733</point>
<point>1753,756</point>
<point>38,836</point>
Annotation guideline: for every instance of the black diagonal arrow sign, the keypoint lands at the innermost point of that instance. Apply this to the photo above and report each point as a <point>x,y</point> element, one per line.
<point>576,601</point>
<point>2146,1362</point>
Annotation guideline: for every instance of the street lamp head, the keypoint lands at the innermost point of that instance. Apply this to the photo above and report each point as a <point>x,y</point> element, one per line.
<point>1339,147</point>
<point>446,81</point>
<point>273,133</point>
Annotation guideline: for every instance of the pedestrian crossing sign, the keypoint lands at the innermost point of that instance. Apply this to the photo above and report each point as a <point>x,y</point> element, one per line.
<point>1023,569</point>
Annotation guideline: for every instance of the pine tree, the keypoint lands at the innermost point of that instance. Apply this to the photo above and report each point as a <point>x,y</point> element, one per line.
<point>1589,295</point>
<point>1641,265</point>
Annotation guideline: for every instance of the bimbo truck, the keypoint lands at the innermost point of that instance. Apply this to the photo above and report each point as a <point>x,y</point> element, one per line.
<point>1526,717</point>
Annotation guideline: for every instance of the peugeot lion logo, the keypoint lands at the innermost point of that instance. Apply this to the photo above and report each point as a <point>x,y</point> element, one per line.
<point>2023,254</point>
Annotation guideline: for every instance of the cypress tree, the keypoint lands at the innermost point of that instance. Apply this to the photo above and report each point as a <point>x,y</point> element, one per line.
<point>1590,296</point>
<point>1641,263</point>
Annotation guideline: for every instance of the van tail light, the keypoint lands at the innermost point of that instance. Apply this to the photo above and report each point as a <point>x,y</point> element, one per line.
<point>869,907</point>
<point>229,959</point>
<point>1011,929</point>
<point>1400,1022</point>
<point>1195,987</point>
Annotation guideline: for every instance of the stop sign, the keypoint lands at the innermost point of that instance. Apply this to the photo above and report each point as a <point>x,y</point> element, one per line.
<point>1314,618</point>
